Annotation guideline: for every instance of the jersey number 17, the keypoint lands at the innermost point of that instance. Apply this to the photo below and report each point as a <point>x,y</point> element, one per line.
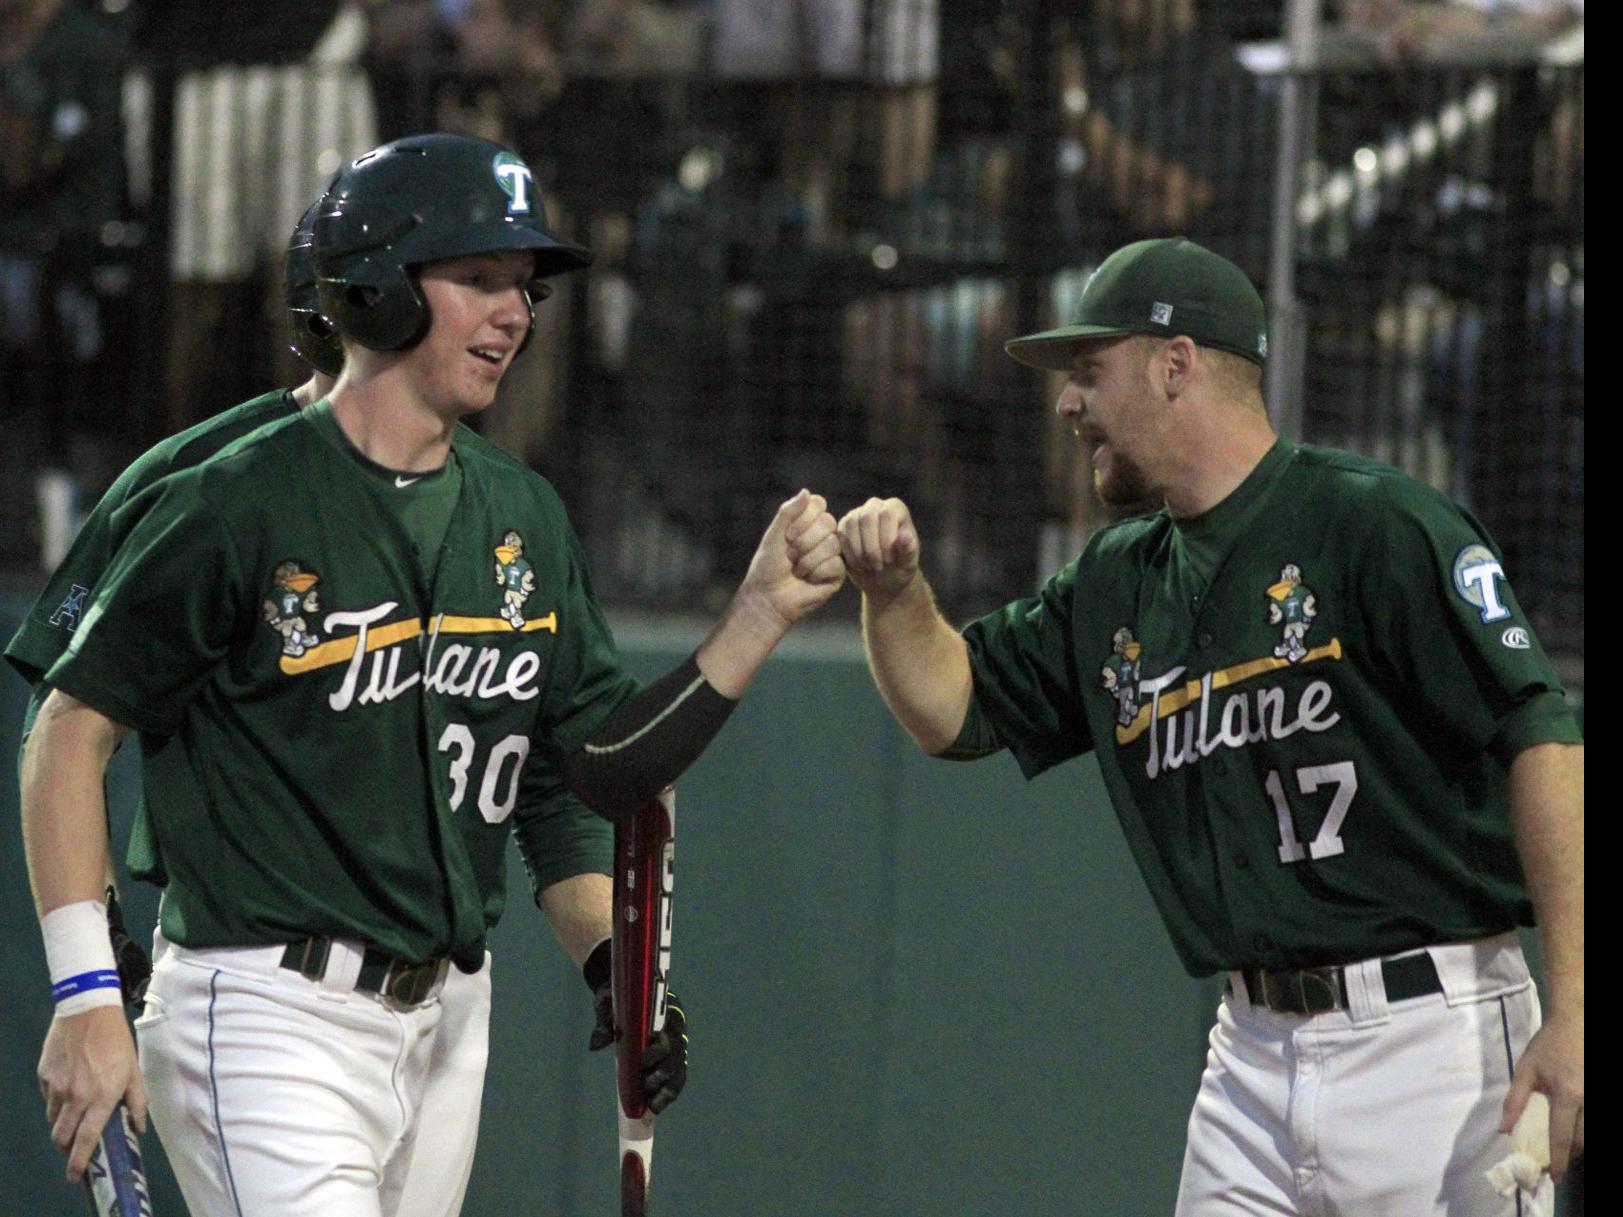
<point>1344,775</point>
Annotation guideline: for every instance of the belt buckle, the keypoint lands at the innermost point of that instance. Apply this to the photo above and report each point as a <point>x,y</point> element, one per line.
<point>408,985</point>
<point>1303,990</point>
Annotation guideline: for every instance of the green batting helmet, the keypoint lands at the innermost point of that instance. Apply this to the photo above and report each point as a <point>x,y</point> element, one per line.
<point>423,199</point>
<point>314,339</point>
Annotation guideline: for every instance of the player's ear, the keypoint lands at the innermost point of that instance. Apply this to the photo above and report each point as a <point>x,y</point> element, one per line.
<point>1177,363</point>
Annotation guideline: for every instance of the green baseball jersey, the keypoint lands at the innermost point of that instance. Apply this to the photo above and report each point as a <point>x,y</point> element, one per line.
<point>1292,797</point>
<point>51,621</point>
<point>50,624</point>
<point>357,781</point>
<point>557,835</point>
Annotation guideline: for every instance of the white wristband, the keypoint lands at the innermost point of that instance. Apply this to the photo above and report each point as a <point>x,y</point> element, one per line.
<point>79,954</point>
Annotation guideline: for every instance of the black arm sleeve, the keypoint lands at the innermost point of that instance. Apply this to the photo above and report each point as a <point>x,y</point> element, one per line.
<point>647,743</point>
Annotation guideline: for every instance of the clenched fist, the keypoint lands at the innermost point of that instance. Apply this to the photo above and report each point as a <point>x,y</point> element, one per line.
<point>880,547</point>
<point>797,566</point>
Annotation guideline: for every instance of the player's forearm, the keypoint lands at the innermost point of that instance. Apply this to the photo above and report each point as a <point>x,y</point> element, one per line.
<point>920,664</point>
<point>64,815</point>
<point>1547,816</point>
<point>743,640</point>
<point>36,702</point>
<point>580,911</point>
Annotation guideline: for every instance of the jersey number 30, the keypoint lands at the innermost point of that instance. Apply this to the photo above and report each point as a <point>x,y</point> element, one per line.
<point>1344,774</point>
<point>502,769</point>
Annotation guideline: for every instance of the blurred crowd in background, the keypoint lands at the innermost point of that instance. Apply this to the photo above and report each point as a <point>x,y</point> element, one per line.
<point>815,222</point>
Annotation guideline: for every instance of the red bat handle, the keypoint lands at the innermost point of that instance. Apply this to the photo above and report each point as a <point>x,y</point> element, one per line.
<point>644,875</point>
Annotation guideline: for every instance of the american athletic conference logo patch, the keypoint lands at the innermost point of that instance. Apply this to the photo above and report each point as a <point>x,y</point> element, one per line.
<point>72,607</point>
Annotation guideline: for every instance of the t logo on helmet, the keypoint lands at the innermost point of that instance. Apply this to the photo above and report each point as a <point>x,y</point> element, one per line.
<point>516,181</point>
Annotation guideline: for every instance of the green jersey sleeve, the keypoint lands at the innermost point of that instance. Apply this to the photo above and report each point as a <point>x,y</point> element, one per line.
<point>163,615</point>
<point>1023,657</point>
<point>587,682</point>
<point>558,836</point>
<point>1455,645</point>
<point>45,633</point>
<point>57,613</point>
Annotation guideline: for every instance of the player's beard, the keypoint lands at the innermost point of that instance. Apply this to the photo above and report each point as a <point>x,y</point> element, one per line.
<point>1124,484</point>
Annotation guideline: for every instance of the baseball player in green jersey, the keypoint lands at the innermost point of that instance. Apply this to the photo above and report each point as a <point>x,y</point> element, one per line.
<point>332,824</point>
<point>557,837</point>
<point>55,614</point>
<point>1315,683</point>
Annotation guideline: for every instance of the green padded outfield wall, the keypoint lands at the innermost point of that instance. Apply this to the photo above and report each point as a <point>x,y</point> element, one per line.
<point>917,989</point>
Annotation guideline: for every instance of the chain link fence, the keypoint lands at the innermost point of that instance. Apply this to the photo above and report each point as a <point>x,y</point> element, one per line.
<point>816,224</point>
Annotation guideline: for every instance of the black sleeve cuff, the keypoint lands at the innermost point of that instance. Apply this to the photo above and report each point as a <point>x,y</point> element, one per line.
<point>648,742</point>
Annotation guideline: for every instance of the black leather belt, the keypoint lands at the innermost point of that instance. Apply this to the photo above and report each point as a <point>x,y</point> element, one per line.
<point>1318,990</point>
<point>395,980</point>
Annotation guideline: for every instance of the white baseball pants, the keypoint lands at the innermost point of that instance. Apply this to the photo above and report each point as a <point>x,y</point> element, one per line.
<point>1383,1110</point>
<point>278,1096</point>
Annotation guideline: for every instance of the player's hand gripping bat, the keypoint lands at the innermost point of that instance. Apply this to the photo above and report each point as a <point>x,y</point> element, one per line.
<point>644,872</point>
<point>115,1179</point>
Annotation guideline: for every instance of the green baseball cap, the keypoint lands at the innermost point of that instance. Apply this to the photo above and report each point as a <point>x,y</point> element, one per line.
<point>1164,287</point>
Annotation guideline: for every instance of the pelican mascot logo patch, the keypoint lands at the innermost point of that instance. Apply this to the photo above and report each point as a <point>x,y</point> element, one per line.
<point>515,576</point>
<point>1120,675</point>
<point>1291,605</point>
<point>293,594</point>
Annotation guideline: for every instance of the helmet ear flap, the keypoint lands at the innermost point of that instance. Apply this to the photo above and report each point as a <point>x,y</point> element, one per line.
<point>379,304</point>
<point>317,343</point>
<point>535,291</point>
<point>313,337</point>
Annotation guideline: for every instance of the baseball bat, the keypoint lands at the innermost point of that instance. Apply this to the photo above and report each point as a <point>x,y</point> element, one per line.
<point>116,1179</point>
<point>644,875</point>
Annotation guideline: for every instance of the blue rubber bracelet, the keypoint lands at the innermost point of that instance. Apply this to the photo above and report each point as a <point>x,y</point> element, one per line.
<point>83,983</point>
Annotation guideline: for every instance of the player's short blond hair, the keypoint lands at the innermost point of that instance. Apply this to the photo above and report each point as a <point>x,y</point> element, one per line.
<point>1237,377</point>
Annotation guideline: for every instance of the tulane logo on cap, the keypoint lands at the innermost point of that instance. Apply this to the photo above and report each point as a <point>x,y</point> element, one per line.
<point>517,183</point>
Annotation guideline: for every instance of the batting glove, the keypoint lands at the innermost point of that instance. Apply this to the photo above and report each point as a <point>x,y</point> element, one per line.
<point>665,1060</point>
